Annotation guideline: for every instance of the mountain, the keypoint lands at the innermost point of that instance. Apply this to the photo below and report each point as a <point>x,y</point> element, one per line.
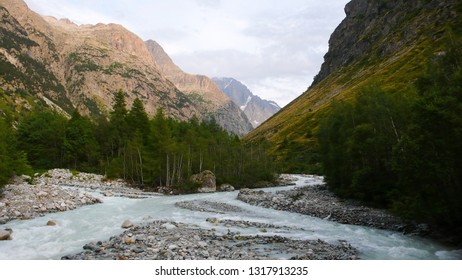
<point>256,109</point>
<point>202,91</point>
<point>56,63</point>
<point>385,42</point>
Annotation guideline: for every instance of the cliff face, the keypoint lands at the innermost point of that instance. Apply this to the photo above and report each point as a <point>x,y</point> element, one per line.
<point>380,29</point>
<point>203,92</point>
<point>256,109</point>
<point>384,42</point>
<point>66,66</point>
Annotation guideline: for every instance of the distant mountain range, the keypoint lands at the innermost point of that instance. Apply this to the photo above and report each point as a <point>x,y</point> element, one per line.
<point>56,63</point>
<point>256,109</point>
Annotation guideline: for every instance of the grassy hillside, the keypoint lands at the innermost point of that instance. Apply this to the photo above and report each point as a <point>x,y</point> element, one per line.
<point>389,44</point>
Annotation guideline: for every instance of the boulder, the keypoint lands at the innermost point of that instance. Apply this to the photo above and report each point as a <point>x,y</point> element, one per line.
<point>5,234</point>
<point>127,224</point>
<point>205,181</point>
<point>226,188</point>
<point>52,223</point>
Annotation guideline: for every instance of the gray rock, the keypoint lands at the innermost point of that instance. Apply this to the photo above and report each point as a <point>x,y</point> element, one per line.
<point>206,181</point>
<point>42,194</point>
<point>168,226</point>
<point>127,224</point>
<point>227,188</point>
<point>5,234</point>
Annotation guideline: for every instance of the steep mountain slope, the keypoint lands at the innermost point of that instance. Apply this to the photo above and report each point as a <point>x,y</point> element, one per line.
<point>203,92</point>
<point>72,66</point>
<point>384,42</point>
<point>60,64</point>
<point>255,108</point>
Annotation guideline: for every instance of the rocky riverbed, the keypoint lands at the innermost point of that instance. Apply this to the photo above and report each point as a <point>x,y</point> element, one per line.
<point>318,201</point>
<point>166,240</point>
<point>57,190</point>
<point>221,220</point>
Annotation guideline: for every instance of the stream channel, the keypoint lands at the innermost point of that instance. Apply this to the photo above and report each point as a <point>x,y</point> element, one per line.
<point>34,240</point>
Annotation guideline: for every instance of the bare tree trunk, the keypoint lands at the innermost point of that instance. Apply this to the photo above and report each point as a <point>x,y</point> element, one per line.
<point>189,161</point>
<point>179,169</point>
<point>141,167</point>
<point>172,178</point>
<point>201,159</point>
<point>167,173</point>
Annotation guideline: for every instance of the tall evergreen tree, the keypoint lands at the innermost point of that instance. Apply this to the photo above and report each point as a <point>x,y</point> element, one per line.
<point>41,135</point>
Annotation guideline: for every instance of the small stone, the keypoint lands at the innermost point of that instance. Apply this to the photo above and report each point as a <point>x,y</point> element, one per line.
<point>202,244</point>
<point>90,246</point>
<point>52,223</point>
<point>138,250</point>
<point>168,226</point>
<point>42,194</point>
<point>128,241</point>
<point>127,224</point>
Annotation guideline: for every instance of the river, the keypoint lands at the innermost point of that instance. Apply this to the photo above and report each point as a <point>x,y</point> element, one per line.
<point>32,239</point>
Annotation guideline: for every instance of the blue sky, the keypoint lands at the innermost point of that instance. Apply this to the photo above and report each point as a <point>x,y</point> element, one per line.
<point>274,47</point>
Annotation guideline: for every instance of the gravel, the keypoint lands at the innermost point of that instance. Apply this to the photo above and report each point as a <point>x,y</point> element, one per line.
<point>166,240</point>
<point>319,202</point>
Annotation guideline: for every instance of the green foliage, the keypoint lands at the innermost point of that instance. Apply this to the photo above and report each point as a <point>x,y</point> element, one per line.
<point>429,159</point>
<point>81,149</point>
<point>12,160</point>
<point>41,135</point>
<point>402,152</point>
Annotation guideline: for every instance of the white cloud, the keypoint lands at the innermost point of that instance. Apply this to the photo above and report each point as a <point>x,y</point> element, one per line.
<point>275,47</point>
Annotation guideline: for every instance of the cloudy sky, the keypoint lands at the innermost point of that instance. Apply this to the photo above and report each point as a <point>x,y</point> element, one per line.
<point>274,47</point>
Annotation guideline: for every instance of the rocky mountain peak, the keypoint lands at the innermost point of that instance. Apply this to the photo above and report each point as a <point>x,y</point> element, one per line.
<point>203,91</point>
<point>256,109</point>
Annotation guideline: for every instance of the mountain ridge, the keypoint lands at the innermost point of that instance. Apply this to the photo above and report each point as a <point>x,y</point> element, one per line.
<point>59,64</point>
<point>256,109</point>
<point>201,88</point>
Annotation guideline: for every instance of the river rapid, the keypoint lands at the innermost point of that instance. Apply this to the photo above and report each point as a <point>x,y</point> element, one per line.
<point>32,239</point>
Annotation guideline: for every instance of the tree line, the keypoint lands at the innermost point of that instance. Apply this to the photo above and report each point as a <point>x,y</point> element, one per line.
<point>157,151</point>
<point>402,152</point>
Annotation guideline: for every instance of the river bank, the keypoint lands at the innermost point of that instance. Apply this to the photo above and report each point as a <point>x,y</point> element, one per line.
<point>162,240</point>
<point>58,190</point>
<point>318,201</point>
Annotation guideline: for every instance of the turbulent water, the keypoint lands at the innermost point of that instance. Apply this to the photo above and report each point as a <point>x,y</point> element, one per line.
<point>32,239</point>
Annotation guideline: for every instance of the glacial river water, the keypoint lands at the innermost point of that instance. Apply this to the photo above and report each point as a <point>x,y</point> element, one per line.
<point>32,239</point>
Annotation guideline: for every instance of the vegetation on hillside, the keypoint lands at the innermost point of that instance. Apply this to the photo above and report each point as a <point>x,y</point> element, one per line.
<point>402,151</point>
